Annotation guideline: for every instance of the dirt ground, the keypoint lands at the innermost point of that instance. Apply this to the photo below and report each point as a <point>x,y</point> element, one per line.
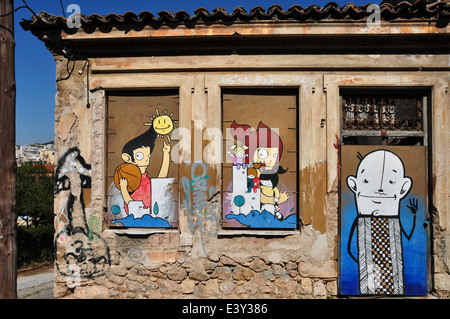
<point>35,269</point>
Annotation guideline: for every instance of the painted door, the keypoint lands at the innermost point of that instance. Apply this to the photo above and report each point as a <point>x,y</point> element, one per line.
<point>383,234</point>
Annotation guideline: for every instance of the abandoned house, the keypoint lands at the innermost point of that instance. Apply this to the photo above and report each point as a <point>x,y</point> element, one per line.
<point>233,154</point>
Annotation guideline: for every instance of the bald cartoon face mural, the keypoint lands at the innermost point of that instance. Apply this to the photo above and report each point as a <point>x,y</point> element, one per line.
<point>380,184</point>
<point>383,201</point>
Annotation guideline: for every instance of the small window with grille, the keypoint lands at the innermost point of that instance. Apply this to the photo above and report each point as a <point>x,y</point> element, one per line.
<point>383,117</point>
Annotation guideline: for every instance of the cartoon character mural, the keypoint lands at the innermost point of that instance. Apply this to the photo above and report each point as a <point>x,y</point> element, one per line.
<point>135,199</point>
<point>254,198</point>
<point>382,250</point>
<point>239,154</point>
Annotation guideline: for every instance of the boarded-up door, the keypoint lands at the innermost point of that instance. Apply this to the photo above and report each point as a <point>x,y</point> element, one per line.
<point>383,241</point>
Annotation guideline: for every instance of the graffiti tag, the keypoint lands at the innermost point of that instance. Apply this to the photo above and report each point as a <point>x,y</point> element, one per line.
<point>76,255</point>
<point>200,204</point>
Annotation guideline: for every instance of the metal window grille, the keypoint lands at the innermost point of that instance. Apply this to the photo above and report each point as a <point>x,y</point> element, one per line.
<point>378,113</point>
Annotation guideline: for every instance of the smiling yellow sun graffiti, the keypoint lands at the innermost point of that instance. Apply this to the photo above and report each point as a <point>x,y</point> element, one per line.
<point>162,124</point>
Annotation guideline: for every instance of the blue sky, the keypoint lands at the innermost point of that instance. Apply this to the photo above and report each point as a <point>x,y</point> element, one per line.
<point>35,67</point>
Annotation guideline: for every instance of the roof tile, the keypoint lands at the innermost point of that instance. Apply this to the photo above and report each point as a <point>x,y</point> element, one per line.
<point>422,9</point>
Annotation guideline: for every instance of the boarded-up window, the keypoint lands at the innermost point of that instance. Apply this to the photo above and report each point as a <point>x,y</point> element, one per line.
<point>142,180</point>
<point>260,158</point>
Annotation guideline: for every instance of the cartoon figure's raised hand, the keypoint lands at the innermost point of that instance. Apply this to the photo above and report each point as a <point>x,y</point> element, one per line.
<point>284,196</point>
<point>413,205</point>
<point>123,183</point>
<point>166,147</point>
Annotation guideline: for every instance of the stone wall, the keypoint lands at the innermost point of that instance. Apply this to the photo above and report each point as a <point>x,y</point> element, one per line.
<point>210,278</point>
<point>244,267</point>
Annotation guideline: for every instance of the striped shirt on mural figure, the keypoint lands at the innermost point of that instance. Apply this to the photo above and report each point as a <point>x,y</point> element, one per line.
<point>379,186</point>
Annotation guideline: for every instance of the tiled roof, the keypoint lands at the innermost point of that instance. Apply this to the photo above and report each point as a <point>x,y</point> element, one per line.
<point>422,10</point>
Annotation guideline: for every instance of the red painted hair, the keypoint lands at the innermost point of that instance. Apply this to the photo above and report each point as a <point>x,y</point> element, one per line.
<point>263,137</point>
<point>239,131</point>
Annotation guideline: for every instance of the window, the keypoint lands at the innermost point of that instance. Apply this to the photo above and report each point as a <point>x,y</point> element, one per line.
<point>384,117</point>
<point>142,180</point>
<point>260,158</point>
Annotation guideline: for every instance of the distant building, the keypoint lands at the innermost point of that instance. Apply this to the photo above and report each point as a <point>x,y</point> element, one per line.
<point>44,153</point>
<point>47,156</point>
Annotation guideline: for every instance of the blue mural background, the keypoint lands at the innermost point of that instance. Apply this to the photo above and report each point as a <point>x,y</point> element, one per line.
<point>414,250</point>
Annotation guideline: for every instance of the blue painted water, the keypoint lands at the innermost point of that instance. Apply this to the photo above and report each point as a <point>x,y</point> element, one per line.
<point>264,219</point>
<point>144,221</point>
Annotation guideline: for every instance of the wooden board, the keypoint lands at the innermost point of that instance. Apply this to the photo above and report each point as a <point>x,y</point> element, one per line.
<point>127,113</point>
<point>383,185</point>
<point>277,110</point>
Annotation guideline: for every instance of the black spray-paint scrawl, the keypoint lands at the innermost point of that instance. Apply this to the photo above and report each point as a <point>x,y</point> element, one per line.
<point>80,252</point>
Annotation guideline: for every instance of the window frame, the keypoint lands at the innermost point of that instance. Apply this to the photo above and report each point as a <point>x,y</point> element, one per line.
<point>151,111</point>
<point>435,84</point>
<point>258,91</point>
<point>309,95</point>
<point>105,84</point>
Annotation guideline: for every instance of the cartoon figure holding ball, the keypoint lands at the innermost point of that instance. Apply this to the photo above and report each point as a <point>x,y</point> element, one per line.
<point>131,176</point>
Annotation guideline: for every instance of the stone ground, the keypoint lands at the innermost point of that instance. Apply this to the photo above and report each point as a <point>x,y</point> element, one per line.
<point>35,283</point>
